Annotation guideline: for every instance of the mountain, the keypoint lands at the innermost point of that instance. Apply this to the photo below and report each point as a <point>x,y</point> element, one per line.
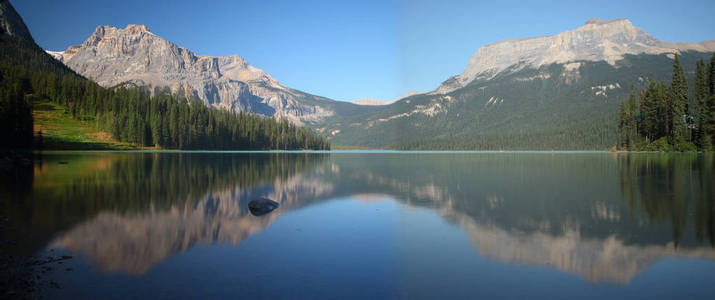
<point>597,40</point>
<point>137,57</point>
<point>18,55</point>
<point>370,101</point>
<point>29,76</point>
<point>373,101</point>
<point>551,92</point>
<point>11,23</point>
<point>408,94</point>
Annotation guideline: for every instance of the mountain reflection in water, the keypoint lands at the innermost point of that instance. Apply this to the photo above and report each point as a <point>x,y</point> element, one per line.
<point>605,217</point>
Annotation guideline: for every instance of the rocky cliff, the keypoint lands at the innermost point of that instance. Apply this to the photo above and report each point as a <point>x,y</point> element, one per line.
<point>541,93</point>
<point>135,56</point>
<point>597,40</point>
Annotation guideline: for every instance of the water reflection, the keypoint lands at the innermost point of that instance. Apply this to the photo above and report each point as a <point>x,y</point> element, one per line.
<point>135,242</point>
<point>671,188</point>
<point>605,217</point>
<point>94,186</point>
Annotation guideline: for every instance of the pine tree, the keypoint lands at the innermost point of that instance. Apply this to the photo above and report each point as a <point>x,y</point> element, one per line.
<point>710,114</point>
<point>700,136</point>
<point>649,109</point>
<point>678,102</point>
<point>15,116</point>
<point>627,125</point>
<point>664,110</point>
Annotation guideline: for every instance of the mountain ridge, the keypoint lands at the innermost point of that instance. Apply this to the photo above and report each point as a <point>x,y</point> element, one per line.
<point>511,91</point>
<point>531,96</point>
<point>596,40</point>
<point>113,56</point>
<point>11,23</point>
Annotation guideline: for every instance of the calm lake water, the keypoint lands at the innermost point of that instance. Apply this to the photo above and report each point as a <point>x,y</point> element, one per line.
<point>368,225</point>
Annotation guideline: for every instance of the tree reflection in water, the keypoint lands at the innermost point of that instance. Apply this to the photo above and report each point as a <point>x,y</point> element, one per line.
<point>603,216</point>
<point>670,188</point>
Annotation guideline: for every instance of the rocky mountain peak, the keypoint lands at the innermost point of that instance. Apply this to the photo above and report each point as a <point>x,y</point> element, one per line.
<point>104,31</point>
<point>597,40</point>
<point>133,28</point>
<point>135,56</point>
<point>11,23</point>
<point>135,50</point>
<point>599,21</point>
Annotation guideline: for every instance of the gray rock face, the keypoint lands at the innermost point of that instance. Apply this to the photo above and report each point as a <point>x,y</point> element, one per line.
<point>597,40</point>
<point>11,23</point>
<point>134,55</point>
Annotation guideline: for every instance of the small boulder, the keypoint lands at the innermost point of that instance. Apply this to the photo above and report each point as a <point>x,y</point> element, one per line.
<point>262,206</point>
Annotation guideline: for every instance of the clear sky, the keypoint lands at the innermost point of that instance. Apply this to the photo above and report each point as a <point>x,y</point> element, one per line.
<point>348,50</point>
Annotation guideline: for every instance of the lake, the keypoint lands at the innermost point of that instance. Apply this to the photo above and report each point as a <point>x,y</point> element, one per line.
<point>432,225</point>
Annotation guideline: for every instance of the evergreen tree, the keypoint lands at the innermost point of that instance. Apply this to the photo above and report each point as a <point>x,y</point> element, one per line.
<point>663,118</point>
<point>710,114</point>
<point>678,97</point>
<point>15,116</point>
<point>627,122</point>
<point>701,109</point>
<point>649,110</point>
<point>623,126</point>
<point>664,110</point>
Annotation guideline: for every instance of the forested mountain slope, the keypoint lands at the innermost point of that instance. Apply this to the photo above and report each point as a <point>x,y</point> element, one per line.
<point>552,92</point>
<point>128,114</point>
<point>135,56</point>
<point>558,106</point>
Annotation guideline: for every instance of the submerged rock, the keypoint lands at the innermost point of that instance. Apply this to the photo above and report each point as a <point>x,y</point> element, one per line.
<point>262,206</point>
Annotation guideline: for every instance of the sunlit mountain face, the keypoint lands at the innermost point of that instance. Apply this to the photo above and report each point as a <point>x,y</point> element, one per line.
<point>605,218</point>
<point>548,92</point>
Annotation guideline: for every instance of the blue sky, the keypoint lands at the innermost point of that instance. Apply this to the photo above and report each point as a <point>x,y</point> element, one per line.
<point>358,49</point>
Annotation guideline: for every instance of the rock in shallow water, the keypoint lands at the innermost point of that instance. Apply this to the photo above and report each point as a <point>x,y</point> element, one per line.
<point>262,206</point>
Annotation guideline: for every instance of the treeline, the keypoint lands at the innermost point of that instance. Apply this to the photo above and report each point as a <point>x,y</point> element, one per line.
<point>15,115</point>
<point>15,108</point>
<point>579,135</point>
<point>170,121</point>
<point>130,114</point>
<point>664,118</point>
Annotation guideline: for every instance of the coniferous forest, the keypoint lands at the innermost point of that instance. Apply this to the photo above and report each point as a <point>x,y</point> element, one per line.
<point>129,114</point>
<point>664,117</point>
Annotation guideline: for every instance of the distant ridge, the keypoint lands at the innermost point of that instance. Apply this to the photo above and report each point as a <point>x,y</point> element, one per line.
<point>597,40</point>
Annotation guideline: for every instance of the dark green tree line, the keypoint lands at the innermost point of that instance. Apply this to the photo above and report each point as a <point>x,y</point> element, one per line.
<point>15,115</point>
<point>130,114</point>
<point>709,119</point>
<point>665,118</point>
<point>627,122</point>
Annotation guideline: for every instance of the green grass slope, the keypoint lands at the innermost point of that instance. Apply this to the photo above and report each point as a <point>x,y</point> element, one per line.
<point>55,129</point>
